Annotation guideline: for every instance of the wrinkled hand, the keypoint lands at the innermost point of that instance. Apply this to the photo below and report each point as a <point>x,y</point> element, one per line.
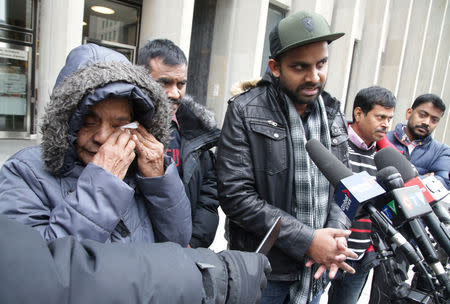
<point>329,248</point>
<point>116,154</point>
<point>150,153</point>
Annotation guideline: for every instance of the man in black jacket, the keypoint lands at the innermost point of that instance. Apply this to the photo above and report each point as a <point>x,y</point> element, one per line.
<point>69,271</point>
<point>264,170</point>
<point>194,133</point>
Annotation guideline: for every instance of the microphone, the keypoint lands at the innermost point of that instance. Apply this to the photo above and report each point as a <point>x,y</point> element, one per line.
<point>439,192</point>
<point>390,157</point>
<point>351,190</point>
<point>390,178</point>
<point>392,181</point>
<point>435,187</point>
<point>336,173</point>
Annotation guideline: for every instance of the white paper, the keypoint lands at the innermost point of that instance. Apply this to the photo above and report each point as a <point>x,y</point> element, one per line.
<point>131,125</point>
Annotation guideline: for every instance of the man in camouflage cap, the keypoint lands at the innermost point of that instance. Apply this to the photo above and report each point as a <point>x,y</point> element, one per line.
<point>264,169</point>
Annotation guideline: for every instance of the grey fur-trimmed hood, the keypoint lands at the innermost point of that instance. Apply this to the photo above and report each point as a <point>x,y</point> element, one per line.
<point>205,117</point>
<point>73,95</point>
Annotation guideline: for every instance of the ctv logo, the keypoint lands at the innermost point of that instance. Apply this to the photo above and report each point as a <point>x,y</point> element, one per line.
<point>407,203</point>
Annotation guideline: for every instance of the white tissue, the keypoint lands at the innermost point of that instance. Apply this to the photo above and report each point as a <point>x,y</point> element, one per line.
<point>131,125</point>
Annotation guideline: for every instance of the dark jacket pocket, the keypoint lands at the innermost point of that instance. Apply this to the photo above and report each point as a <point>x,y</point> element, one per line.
<point>269,145</point>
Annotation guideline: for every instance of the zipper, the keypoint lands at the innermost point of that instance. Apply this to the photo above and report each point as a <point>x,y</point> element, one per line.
<point>272,123</point>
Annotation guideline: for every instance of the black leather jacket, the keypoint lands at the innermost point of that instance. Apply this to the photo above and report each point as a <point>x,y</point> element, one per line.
<point>256,173</point>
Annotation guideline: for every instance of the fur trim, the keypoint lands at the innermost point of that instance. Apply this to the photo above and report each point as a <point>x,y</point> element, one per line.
<point>206,116</point>
<point>242,86</point>
<point>66,96</point>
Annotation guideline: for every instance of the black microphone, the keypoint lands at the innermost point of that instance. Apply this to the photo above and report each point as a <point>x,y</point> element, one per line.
<point>391,157</point>
<point>439,192</point>
<point>391,180</point>
<point>351,190</point>
<point>335,171</point>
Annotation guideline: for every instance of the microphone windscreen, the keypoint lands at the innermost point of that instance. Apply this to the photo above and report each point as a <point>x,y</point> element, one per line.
<point>391,157</point>
<point>389,178</point>
<point>333,169</point>
<point>385,172</point>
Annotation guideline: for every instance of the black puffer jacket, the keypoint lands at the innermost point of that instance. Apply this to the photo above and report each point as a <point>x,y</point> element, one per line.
<point>199,133</point>
<point>256,175</point>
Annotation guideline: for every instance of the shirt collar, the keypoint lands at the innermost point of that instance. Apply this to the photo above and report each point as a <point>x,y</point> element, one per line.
<point>358,141</point>
<point>405,139</point>
<point>175,120</point>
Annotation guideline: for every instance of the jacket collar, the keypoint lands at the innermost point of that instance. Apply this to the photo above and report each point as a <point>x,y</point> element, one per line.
<point>404,140</point>
<point>193,118</point>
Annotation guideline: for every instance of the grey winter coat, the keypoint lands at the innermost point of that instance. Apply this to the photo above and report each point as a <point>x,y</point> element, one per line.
<point>50,189</point>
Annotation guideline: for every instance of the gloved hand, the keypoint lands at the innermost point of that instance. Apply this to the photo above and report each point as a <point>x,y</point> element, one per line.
<point>247,275</point>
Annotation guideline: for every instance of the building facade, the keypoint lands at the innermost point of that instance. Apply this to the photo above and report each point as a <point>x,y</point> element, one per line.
<point>402,45</point>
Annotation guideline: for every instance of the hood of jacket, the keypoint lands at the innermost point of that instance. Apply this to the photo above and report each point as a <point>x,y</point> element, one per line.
<point>191,116</point>
<point>91,74</point>
<point>244,85</point>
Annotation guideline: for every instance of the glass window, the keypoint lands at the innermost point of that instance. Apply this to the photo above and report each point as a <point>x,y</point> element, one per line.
<point>274,15</point>
<point>121,18</point>
<point>17,13</point>
<point>13,87</point>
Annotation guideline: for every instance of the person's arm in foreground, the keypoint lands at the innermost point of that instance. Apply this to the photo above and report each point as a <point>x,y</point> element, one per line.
<point>68,271</point>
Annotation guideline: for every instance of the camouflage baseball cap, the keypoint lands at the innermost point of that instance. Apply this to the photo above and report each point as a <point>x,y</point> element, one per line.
<point>299,29</point>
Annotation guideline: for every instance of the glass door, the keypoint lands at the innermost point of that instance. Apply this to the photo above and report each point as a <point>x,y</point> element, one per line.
<point>113,24</point>
<point>14,88</point>
<point>17,53</point>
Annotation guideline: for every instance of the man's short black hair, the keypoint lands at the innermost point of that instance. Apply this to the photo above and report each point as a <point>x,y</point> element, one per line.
<point>433,98</point>
<point>165,49</point>
<point>367,98</point>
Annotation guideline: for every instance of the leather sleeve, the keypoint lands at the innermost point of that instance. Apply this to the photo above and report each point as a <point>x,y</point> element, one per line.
<point>238,193</point>
<point>337,218</point>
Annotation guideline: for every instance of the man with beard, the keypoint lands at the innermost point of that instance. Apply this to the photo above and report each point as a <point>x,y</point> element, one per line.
<point>264,170</point>
<point>414,139</point>
<point>373,110</point>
